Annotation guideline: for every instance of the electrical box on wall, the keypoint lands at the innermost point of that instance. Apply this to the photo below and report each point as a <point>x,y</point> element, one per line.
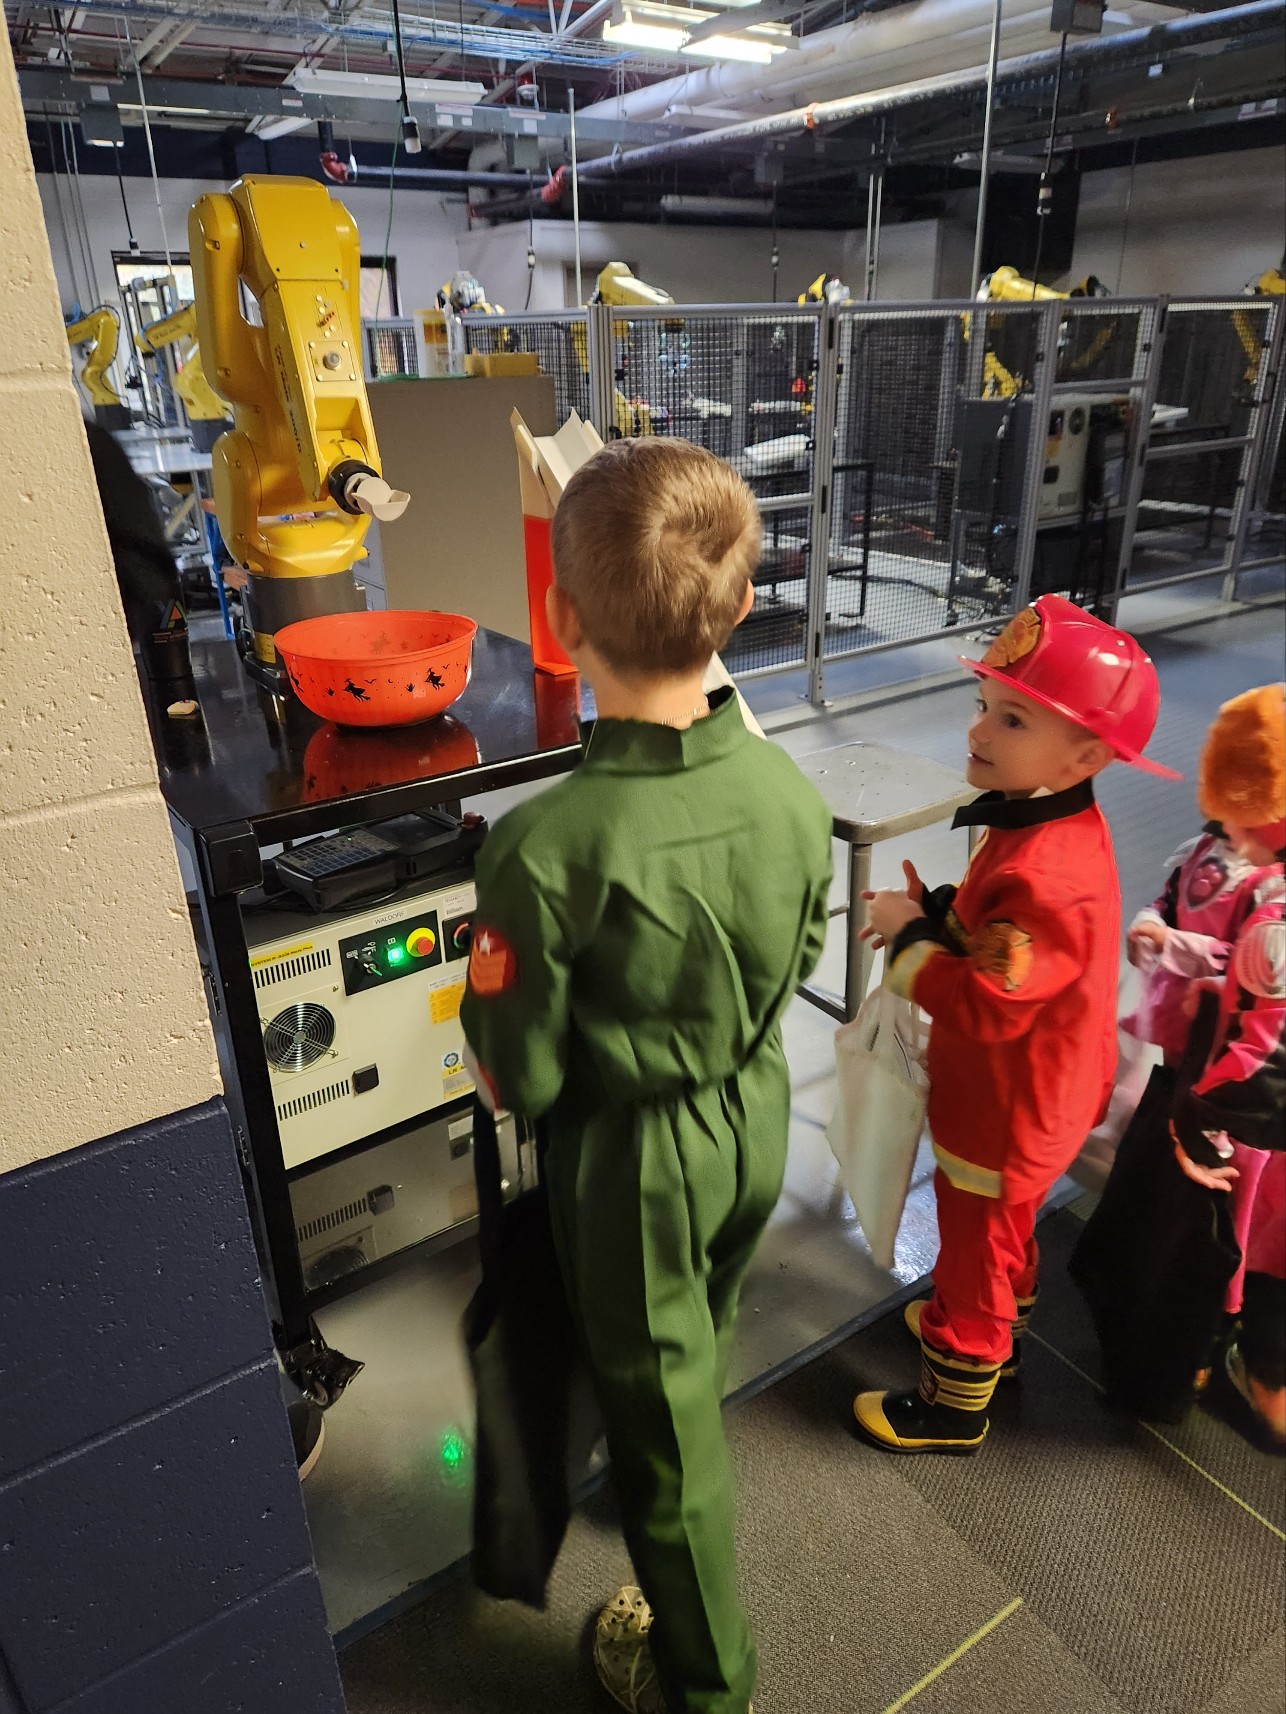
<point>360,1015</point>
<point>1077,17</point>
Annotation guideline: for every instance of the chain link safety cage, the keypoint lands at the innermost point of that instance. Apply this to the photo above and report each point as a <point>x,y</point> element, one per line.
<point>1202,446</point>
<point>391,350</point>
<point>740,382</point>
<point>1101,396</point>
<point>1266,531</point>
<point>559,343</point>
<point>931,449</point>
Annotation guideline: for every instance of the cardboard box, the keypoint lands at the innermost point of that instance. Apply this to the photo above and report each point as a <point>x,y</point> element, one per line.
<point>546,464</point>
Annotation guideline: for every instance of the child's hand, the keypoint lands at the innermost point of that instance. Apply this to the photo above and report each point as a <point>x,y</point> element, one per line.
<point>914,885</point>
<point>1146,941</point>
<point>1211,1177</point>
<point>1192,998</point>
<point>888,915</point>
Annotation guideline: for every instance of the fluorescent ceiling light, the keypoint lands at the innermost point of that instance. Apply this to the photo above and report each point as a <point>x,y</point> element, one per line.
<point>634,35</point>
<point>730,48</point>
<point>364,86</point>
<point>665,29</point>
<point>268,130</point>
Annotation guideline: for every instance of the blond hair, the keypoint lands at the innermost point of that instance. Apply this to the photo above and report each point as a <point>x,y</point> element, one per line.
<point>655,541</point>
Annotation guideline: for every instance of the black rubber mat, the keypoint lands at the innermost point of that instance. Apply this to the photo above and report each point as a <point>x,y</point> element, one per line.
<point>1078,1565</point>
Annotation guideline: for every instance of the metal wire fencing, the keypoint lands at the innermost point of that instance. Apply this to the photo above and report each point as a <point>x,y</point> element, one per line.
<point>558,341</point>
<point>1211,393</point>
<point>741,382</point>
<point>956,459</point>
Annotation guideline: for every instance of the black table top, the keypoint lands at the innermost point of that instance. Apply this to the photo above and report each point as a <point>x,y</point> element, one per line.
<point>250,757</point>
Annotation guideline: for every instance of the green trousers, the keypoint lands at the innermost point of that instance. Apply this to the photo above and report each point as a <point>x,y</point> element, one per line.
<point>656,1213</point>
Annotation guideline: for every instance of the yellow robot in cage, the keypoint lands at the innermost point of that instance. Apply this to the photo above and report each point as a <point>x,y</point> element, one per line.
<point>297,479</point>
<point>1007,286</point>
<point>199,398</point>
<point>100,331</point>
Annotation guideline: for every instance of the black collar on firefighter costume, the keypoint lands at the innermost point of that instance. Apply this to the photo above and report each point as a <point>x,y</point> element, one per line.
<point>994,809</point>
<point>648,747</point>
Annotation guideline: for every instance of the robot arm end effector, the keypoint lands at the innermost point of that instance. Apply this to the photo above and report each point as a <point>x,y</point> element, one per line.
<point>357,488</point>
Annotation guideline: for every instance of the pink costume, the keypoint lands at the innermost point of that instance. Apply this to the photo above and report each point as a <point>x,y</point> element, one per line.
<point>1237,1107</point>
<point>1208,894</point>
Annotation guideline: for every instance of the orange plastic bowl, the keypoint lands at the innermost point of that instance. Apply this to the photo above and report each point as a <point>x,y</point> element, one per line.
<point>378,669</point>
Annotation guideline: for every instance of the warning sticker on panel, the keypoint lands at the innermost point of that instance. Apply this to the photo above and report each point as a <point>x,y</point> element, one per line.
<point>444,1002</point>
<point>455,1077</point>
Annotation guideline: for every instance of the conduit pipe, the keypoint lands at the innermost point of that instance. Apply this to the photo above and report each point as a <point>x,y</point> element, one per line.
<point>1156,40</point>
<point>925,37</point>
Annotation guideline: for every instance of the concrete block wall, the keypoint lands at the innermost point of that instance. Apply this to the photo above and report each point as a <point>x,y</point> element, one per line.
<point>153,1549</point>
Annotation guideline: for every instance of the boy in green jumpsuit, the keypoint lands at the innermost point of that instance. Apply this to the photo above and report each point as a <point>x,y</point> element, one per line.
<point>641,928</point>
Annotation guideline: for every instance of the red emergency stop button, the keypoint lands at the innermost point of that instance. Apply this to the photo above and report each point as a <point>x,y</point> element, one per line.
<point>421,942</point>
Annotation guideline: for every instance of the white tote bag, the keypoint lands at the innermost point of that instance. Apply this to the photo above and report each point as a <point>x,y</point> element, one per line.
<point>879,1112</point>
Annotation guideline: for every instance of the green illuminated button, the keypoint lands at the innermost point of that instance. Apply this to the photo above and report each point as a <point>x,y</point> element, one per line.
<point>396,955</point>
<point>421,942</point>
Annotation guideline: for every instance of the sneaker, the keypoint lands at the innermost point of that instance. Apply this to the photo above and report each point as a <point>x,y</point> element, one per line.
<point>308,1429</point>
<point>623,1656</point>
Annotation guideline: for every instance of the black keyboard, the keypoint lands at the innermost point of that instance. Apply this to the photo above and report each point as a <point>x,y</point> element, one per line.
<point>340,851</point>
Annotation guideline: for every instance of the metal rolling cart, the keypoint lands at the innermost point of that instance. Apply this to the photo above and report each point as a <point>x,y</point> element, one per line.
<point>252,772</point>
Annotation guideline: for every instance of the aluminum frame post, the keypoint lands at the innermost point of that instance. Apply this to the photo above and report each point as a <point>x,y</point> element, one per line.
<point>1138,462</point>
<point>1044,369</point>
<point>600,345</point>
<point>1266,384</point>
<point>825,398</point>
<point>976,273</point>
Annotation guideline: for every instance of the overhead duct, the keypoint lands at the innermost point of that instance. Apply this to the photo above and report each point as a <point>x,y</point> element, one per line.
<point>1140,44</point>
<point>922,39</point>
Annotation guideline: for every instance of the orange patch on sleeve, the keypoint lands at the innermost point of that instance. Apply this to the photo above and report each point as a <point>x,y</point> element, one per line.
<point>1002,952</point>
<point>493,963</point>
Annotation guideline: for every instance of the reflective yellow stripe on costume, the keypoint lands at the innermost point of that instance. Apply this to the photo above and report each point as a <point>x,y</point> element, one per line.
<point>979,1180</point>
<point>902,972</point>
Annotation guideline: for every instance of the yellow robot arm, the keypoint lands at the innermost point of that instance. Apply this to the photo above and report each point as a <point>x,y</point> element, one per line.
<point>200,400</point>
<point>1007,286</point>
<point>297,480</point>
<point>618,287</point>
<point>826,288</point>
<point>100,330</point>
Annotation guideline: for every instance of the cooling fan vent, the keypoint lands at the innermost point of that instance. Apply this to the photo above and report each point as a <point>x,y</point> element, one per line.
<point>299,1036</point>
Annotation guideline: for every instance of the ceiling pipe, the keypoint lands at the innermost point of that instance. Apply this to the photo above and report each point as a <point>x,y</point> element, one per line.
<point>1144,43</point>
<point>159,55</point>
<point>874,51</point>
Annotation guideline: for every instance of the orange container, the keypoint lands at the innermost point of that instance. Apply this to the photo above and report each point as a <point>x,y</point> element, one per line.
<point>536,537</point>
<point>338,763</point>
<point>378,669</point>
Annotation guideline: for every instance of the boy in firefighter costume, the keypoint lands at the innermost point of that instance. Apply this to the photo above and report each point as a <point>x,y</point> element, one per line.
<point>641,928</point>
<point>1018,972</point>
<point>1230,1128</point>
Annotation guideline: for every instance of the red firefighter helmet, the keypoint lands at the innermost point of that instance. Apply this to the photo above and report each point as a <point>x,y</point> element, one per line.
<point>1065,659</point>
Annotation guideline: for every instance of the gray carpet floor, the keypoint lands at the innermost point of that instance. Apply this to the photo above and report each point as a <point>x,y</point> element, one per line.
<point>1081,1564</point>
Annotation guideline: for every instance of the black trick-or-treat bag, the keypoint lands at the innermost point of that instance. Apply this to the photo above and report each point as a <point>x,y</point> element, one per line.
<point>1156,1257</point>
<point>537,1420</point>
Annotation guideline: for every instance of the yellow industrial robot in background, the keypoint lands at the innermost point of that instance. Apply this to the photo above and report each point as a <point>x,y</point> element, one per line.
<point>1271,284</point>
<point>617,286</point>
<point>100,330</point>
<point>826,289</point>
<point>1007,286</point>
<point>199,398</point>
<point>297,479</point>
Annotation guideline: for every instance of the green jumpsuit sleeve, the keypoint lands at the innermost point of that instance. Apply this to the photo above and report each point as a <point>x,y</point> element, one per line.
<point>515,1008</point>
<point>818,917</point>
